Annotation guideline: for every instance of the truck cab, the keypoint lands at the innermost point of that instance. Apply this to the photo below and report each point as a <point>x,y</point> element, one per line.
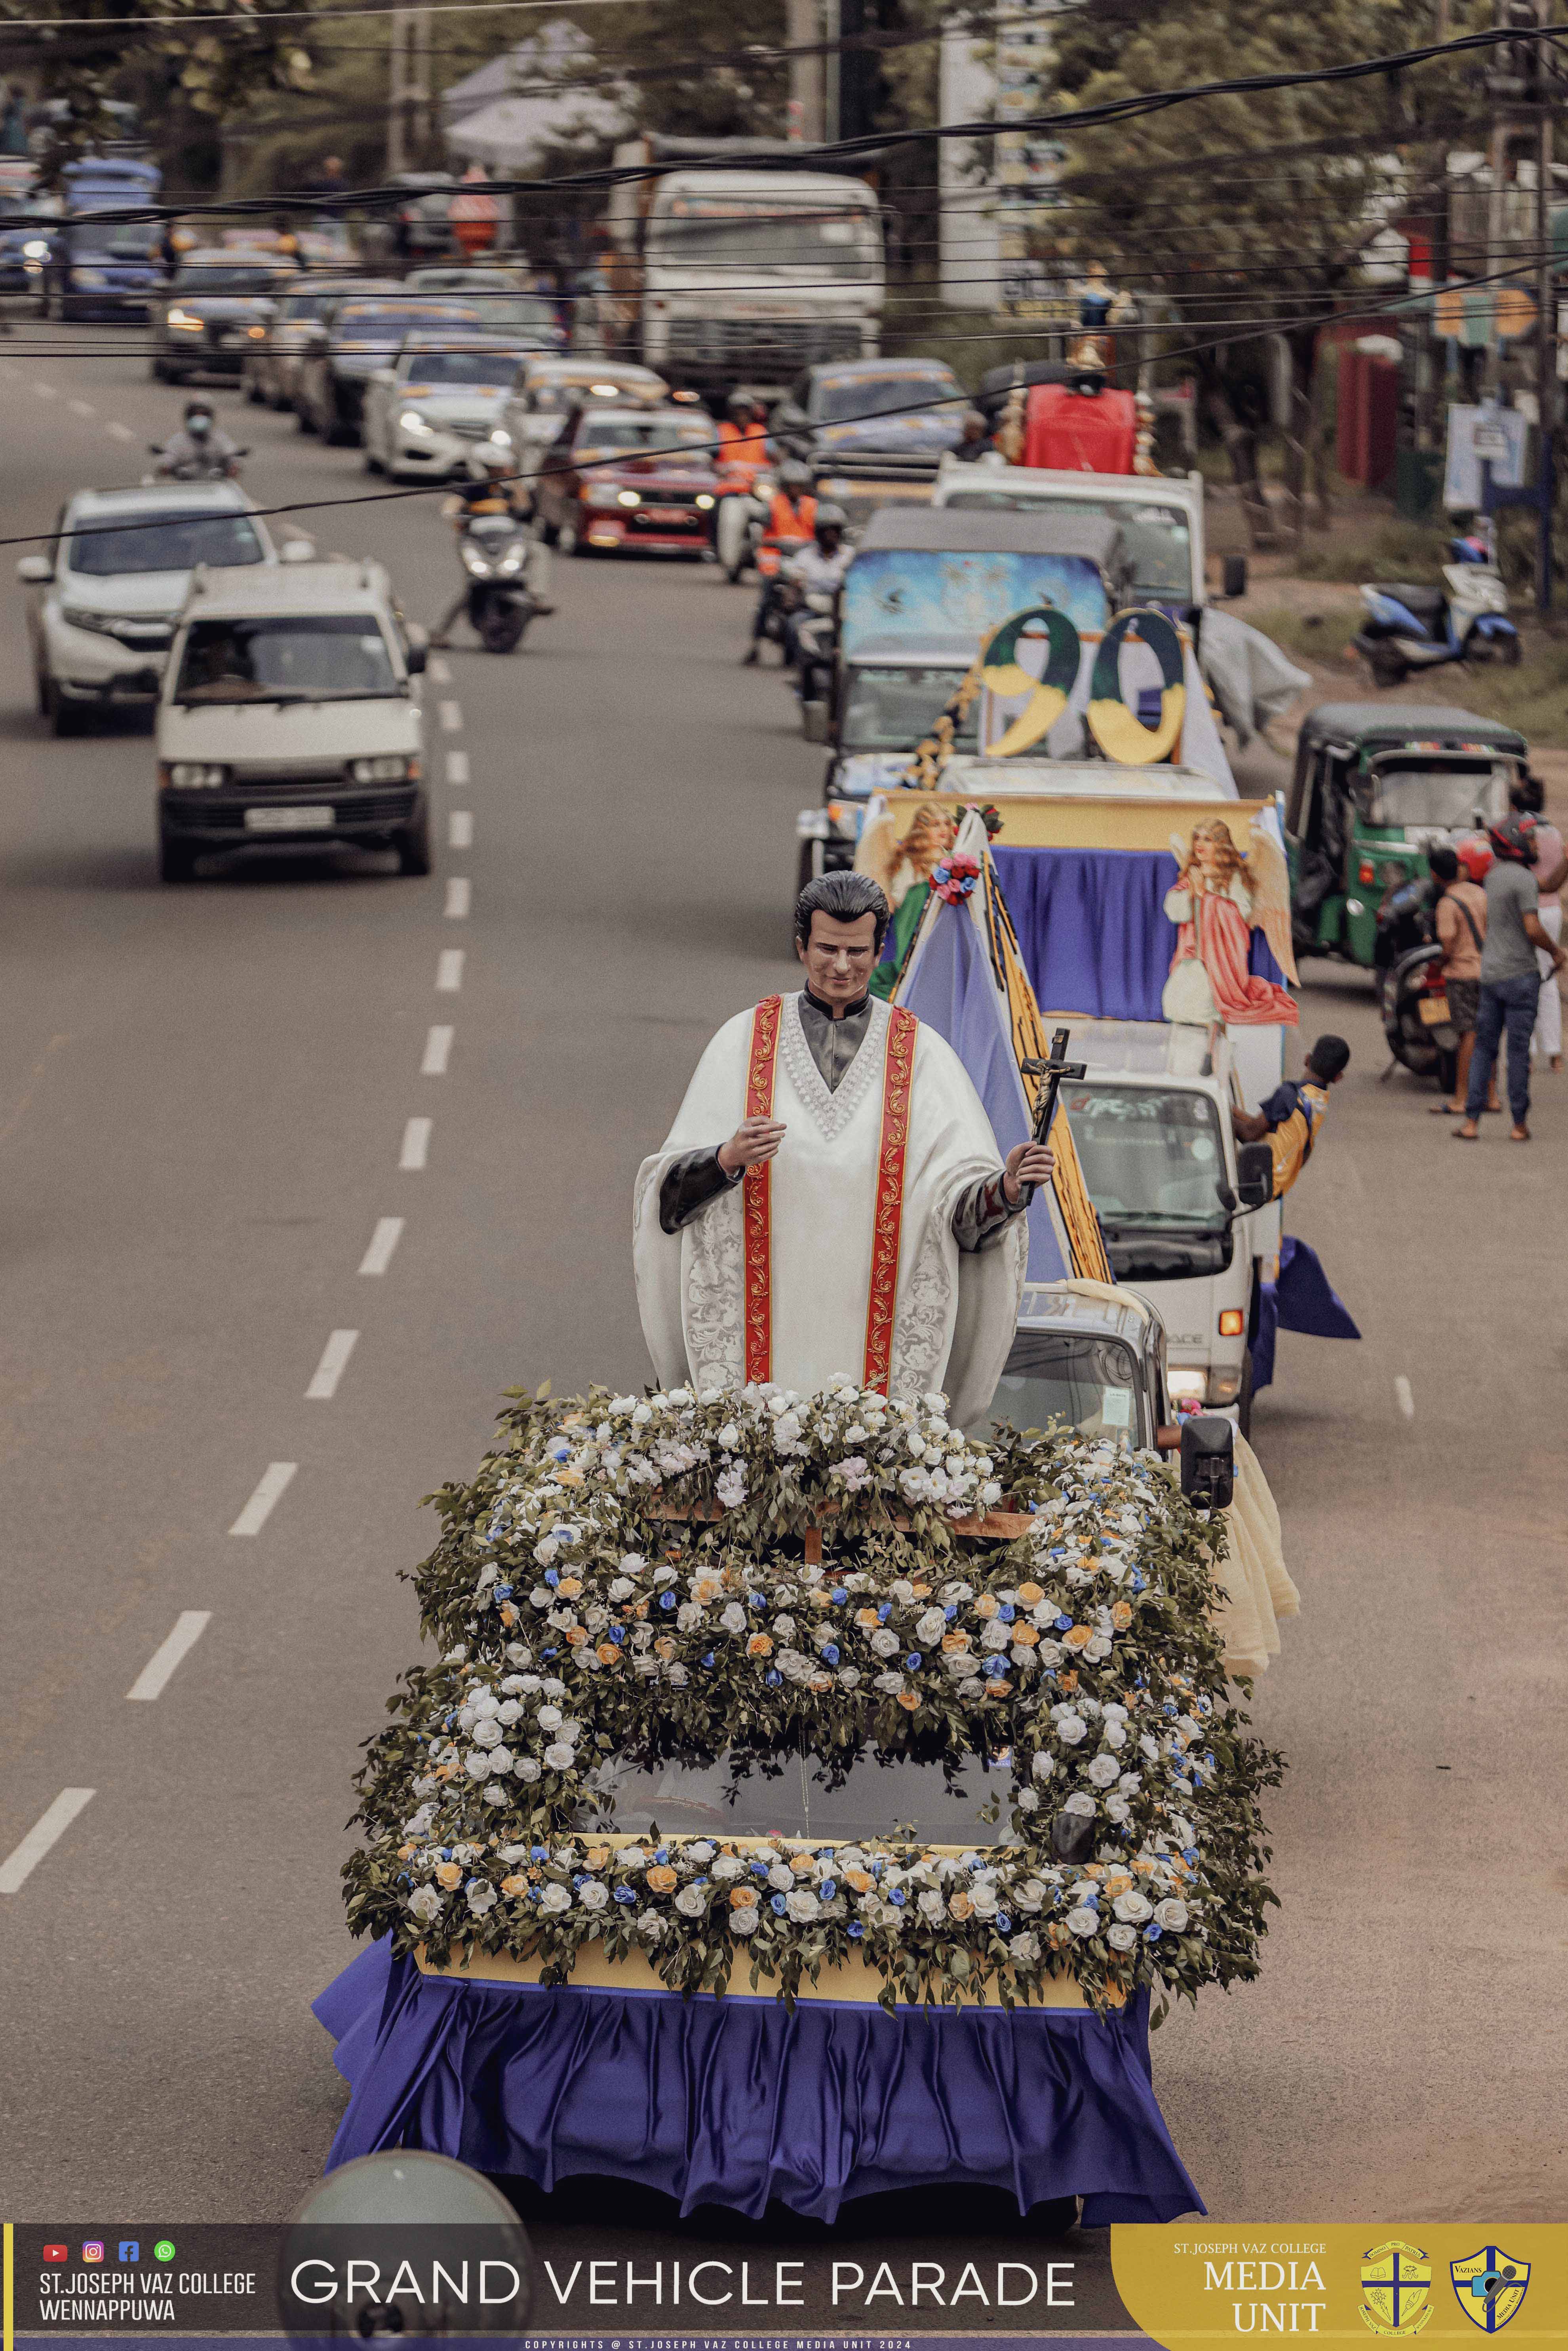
<point>1090,1356</point>
<point>1160,517</point>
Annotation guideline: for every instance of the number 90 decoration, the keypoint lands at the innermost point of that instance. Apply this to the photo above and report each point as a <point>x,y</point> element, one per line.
<point>1117,728</point>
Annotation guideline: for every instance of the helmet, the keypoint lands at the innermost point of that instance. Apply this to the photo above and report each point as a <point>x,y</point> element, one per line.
<point>1474,855</point>
<point>795,477</point>
<point>198,405</point>
<point>829,517</point>
<point>744,404</point>
<point>488,460</point>
<point>1513,836</point>
<point>199,417</point>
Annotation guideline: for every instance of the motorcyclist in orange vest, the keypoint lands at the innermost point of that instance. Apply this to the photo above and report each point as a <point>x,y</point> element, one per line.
<point>742,437</point>
<point>791,519</point>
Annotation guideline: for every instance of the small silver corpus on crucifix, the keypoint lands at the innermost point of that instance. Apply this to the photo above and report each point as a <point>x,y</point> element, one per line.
<point>1052,1070</point>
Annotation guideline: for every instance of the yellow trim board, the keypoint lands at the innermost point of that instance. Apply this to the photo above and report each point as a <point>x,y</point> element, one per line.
<point>1036,820</point>
<point>854,1980</point>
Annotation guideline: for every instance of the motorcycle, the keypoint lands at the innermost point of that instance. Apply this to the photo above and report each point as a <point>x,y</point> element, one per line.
<point>206,468</point>
<point>493,552</point>
<point>1412,997</point>
<point>816,651</point>
<point>1409,628</point>
<point>743,495</point>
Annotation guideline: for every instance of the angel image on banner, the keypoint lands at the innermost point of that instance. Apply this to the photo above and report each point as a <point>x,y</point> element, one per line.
<point>1221,896</point>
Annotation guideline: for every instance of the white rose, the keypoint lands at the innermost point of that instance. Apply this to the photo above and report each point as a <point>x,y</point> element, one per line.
<point>488,1734</point>
<point>1043,1766</point>
<point>1122,1938</point>
<point>744,1922</point>
<point>1025,1948</point>
<point>527,1767</point>
<point>931,1625</point>
<point>1072,1728</point>
<point>1083,1921</point>
<point>930,1904</point>
<point>561,1757</point>
<point>509,1713</point>
<point>424,1903</point>
<point>802,1905</point>
<point>983,1899</point>
<point>883,1642</point>
<point>549,1718</point>
<point>1104,1772</point>
<point>480,1899</point>
<point>1117,1808</point>
<point>1171,1914</point>
<point>483,1702</point>
<point>733,1618</point>
<point>781,1877</point>
<point>477,1763</point>
<point>500,1760</point>
<point>849,1677</point>
<point>650,1926</point>
<point>700,1851</point>
<point>728,1437</point>
<point>691,1902</point>
<point>594,1895</point>
<point>555,1899</point>
<point>1081,1803</point>
<point>892,1683</point>
<point>1132,1907</point>
<point>727,1866</point>
<point>642,1414</point>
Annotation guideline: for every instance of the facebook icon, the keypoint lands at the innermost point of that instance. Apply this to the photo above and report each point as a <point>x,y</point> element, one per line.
<point>131,2249</point>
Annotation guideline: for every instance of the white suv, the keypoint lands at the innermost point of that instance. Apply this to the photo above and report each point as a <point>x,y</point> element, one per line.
<point>112,584</point>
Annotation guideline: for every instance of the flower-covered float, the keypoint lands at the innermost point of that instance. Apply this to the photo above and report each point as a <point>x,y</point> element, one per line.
<point>807,1801</point>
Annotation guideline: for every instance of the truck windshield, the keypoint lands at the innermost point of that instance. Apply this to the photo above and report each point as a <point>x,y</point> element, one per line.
<point>111,241</point>
<point>1156,537</point>
<point>162,541</point>
<point>1089,1385</point>
<point>1150,1155</point>
<point>789,1795</point>
<point>698,232</point>
<point>319,657</point>
<point>1459,793</point>
<point>889,709</point>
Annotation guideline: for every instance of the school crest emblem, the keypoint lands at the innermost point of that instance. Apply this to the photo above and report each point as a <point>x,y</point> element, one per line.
<point>1490,2285</point>
<point>1395,2288</point>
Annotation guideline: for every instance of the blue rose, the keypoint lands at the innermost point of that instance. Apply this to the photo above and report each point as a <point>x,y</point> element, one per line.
<point>1152,1932</point>
<point>1007,1612</point>
<point>1191,1854</point>
<point>912,1663</point>
<point>828,1888</point>
<point>760,1869</point>
<point>778,1905</point>
<point>772,1678</point>
<point>884,1612</point>
<point>552,1576</point>
<point>1065,1624</point>
<point>950,1610</point>
<point>668,1600</point>
<point>758,1598</point>
<point>996,1667</point>
<point>550,1653</point>
<point>625,1893</point>
<point>503,1591</point>
<point>838,1595</point>
<point>829,1653</point>
<point>856,1931</point>
<point>579,1880</point>
<point>709,1659</point>
<point>898,1896</point>
<point>663,1855</point>
<point>539,1853</point>
<point>1004,1924</point>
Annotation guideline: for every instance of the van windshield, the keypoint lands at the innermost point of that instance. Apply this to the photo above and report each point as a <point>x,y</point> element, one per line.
<point>1089,1385</point>
<point>891,709</point>
<point>789,1796</point>
<point>1156,537</point>
<point>1459,793</point>
<point>319,657</point>
<point>1149,1154</point>
<point>162,541</point>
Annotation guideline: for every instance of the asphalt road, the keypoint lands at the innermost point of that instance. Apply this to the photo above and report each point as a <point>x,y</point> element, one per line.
<point>204,1097</point>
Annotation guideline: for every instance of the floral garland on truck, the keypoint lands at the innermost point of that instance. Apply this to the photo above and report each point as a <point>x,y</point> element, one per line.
<point>634,1578</point>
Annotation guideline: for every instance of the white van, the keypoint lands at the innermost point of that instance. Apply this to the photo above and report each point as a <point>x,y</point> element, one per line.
<point>289,716</point>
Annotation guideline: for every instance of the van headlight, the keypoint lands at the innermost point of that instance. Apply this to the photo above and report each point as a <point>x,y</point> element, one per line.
<point>183,322</point>
<point>35,249</point>
<point>389,768</point>
<point>412,421</point>
<point>195,776</point>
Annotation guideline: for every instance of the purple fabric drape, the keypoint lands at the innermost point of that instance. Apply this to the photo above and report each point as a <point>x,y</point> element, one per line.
<point>737,2101</point>
<point>1093,930</point>
<point>1302,1299</point>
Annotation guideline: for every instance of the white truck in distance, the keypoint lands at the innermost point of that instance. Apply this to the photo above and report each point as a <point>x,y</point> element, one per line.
<point>748,276</point>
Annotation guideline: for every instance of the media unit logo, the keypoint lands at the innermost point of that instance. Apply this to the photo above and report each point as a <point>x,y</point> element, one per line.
<point>1490,2285</point>
<point>1395,2288</point>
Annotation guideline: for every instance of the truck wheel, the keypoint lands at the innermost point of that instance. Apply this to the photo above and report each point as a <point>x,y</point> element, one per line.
<point>176,863</point>
<point>64,717</point>
<point>412,845</point>
<point>1244,1401</point>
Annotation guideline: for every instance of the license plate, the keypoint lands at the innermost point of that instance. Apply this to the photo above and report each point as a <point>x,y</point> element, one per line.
<point>289,820</point>
<point>665,514</point>
<point>1432,1010</point>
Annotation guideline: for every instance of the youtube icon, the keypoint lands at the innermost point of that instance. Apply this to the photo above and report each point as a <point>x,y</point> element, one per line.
<point>56,2253</point>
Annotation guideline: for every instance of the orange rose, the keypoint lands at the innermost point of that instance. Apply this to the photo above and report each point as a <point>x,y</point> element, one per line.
<point>868,1617</point>
<point>986,1604</point>
<point>760,1646</point>
<point>568,1477</point>
<point>1066,1681</point>
<point>595,1857</point>
<point>742,1897</point>
<point>516,1884</point>
<point>665,1647</point>
<point>662,1880</point>
<point>707,1589</point>
<point>861,1879</point>
<point>1056,1936</point>
<point>909,1700</point>
<point>1143,1866</point>
<point>820,1682</point>
<point>921,1591</point>
<point>1121,1615</point>
<point>608,1654</point>
<point>403,1851</point>
<point>576,1634</point>
<point>449,1875</point>
<point>1079,1638</point>
<point>569,1587</point>
<point>1024,1637</point>
<point>801,1864</point>
<point>1030,1594</point>
<point>955,1640</point>
<point>1120,1883</point>
<point>1093,1869</point>
<point>960,1905</point>
<point>443,1770</point>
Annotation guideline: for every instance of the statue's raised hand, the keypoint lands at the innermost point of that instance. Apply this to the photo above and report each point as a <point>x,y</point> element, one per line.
<point>754,1140</point>
<point>1027,1162</point>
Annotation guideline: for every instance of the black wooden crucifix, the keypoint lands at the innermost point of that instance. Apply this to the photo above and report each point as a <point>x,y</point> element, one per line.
<point>1052,1070</point>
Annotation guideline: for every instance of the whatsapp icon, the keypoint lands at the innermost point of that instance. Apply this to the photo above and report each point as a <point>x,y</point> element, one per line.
<point>163,2251</point>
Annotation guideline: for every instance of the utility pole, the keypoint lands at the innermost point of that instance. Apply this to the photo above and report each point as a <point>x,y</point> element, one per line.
<point>808,79</point>
<point>397,76</point>
<point>1545,358</point>
<point>1525,78</point>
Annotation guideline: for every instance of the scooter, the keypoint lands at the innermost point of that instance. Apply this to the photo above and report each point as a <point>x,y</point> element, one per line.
<point>493,552</point>
<point>744,494</point>
<point>816,648</point>
<point>1409,628</point>
<point>195,469</point>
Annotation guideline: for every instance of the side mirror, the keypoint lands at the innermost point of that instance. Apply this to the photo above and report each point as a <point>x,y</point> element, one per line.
<point>35,570</point>
<point>1234,575</point>
<point>1207,1460</point>
<point>416,653</point>
<point>298,551</point>
<point>1255,1175</point>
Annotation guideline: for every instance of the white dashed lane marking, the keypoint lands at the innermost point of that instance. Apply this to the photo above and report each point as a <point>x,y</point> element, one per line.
<point>460,828</point>
<point>274,1482</point>
<point>449,971</point>
<point>121,431</point>
<point>415,1153</point>
<point>384,1241</point>
<point>334,1363</point>
<point>82,408</point>
<point>451,716</point>
<point>19,1865</point>
<point>459,898</point>
<point>1404,1398</point>
<point>437,1052</point>
<point>457,767</point>
<point>156,1675</point>
<point>440,671</point>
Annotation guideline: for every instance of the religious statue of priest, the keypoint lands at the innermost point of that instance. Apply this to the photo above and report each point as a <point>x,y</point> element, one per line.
<point>830,1199</point>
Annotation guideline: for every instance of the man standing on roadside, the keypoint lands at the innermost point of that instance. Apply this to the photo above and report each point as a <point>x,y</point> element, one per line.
<point>1510,976</point>
<point>1461,925</point>
<point>1550,873</point>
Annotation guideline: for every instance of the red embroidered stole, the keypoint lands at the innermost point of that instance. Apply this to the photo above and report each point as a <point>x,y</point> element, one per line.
<point>897,1086</point>
<point>756,1194</point>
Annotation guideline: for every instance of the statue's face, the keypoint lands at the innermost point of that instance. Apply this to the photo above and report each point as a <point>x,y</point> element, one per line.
<point>838,957</point>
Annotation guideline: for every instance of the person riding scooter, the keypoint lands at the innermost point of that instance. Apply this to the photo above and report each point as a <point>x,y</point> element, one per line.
<point>199,452</point>
<point>810,584</point>
<point>791,519</point>
<point>492,488</point>
<point>742,436</point>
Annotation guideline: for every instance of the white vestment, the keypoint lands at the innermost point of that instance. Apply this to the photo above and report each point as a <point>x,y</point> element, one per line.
<point>956,1310</point>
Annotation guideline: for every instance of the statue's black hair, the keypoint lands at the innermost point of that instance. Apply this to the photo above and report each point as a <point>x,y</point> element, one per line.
<point>844,897</point>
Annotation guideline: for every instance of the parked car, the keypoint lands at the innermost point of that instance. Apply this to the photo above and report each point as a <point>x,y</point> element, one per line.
<point>290,717</point>
<point>545,389</point>
<point>442,394</point>
<point>269,371</point>
<point>626,479</point>
<point>218,304</point>
<point>109,595</point>
<point>363,335</point>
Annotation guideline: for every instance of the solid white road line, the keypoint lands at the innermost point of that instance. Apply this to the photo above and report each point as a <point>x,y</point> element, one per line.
<point>156,1675</point>
<point>416,1144</point>
<point>334,1363</point>
<point>460,828</point>
<point>1404,1398</point>
<point>449,971</point>
<point>440,671</point>
<point>457,767</point>
<point>120,431</point>
<point>451,716</point>
<point>384,1241</point>
<point>437,1052</point>
<point>274,1483</point>
<point>82,408</point>
<point>19,1865</point>
<point>459,898</point>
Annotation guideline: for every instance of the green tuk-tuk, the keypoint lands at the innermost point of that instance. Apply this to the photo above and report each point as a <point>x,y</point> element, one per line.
<point>1376,785</point>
